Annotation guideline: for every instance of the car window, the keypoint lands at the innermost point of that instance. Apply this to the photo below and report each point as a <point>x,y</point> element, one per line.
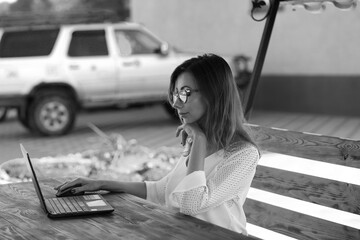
<point>133,42</point>
<point>27,43</point>
<point>88,43</point>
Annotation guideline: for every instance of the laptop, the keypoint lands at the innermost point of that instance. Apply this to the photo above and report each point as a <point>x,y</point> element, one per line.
<point>67,206</point>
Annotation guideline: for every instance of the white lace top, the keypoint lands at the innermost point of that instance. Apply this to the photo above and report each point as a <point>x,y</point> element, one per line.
<point>216,194</point>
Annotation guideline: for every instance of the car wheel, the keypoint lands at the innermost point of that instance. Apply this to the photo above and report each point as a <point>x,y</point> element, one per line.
<point>171,111</point>
<point>52,113</point>
<point>3,111</point>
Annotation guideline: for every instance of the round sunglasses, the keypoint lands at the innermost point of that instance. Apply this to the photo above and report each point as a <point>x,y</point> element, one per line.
<point>183,95</point>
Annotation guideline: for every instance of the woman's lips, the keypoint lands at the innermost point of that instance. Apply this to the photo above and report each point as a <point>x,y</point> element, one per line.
<point>182,114</point>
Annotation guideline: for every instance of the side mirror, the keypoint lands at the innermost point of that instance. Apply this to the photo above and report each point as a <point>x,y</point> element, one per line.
<point>163,49</point>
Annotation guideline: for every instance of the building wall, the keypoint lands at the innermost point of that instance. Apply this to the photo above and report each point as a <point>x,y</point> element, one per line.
<point>301,43</point>
<point>202,25</point>
<point>331,95</point>
<point>304,49</point>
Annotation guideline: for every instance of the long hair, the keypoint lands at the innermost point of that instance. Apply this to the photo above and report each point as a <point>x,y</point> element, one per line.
<point>223,121</point>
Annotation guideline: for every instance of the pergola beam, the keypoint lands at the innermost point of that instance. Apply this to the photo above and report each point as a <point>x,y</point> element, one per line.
<point>260,58</point>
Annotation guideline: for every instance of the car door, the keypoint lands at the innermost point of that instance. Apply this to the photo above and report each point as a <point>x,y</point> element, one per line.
<point>143,71</point>
<point>91,66</point>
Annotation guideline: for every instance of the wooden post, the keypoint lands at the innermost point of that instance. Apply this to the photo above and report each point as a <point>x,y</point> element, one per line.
<point>260,58</point>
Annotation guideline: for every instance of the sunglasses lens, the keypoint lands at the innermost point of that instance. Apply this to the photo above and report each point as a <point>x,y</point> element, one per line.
<point>183,98</point>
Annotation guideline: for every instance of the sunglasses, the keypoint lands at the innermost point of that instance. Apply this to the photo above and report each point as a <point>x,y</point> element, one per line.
<point>182,95</point>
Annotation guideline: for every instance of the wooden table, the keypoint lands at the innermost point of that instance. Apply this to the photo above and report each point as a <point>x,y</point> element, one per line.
<point>21,217</point>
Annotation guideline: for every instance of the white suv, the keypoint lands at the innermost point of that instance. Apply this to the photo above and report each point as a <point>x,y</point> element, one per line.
<point>49,72</point>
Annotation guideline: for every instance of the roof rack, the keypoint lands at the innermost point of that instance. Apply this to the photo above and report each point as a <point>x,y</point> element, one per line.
<point>16,19</point>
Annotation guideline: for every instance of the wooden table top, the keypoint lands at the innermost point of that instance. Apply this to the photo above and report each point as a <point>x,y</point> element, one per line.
<point>21,217</point>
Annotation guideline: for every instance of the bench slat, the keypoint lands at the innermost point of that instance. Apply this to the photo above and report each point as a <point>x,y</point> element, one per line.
<point>322,148</point>
<point>295,224</point>
<point>299,220</point>
<point>329,193</point>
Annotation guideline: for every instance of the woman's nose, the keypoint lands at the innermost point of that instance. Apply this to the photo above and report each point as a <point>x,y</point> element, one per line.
<point>177,103</point>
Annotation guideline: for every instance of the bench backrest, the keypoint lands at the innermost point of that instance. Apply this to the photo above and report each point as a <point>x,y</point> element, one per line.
<point>298,187</point>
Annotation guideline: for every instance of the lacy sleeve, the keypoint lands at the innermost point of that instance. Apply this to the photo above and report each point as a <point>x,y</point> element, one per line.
<point>196,194</point>
<point>155,190</point>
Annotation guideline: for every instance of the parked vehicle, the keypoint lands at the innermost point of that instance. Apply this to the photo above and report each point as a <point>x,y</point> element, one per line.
<point>50,72</point>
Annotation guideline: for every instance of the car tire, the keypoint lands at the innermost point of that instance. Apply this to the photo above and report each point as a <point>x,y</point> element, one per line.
<point>52,113</point>
<point>171,111</point>
<point>3,112</point>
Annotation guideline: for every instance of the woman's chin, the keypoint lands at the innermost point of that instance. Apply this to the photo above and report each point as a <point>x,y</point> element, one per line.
<point>187,120</point>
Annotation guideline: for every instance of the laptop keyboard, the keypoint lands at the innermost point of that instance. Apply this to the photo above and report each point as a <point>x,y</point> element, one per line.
<point>67,205</point>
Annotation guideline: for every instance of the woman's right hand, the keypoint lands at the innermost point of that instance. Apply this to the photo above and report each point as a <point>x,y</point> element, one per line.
<point>189,132</point>
<point>82,185</point>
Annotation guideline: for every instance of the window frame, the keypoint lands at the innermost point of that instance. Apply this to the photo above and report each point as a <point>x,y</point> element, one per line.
<point>149,36</point>
<point>104,52</point>
<point>26,43</point>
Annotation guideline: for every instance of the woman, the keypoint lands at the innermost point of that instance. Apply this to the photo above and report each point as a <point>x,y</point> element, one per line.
<point>214,173</point>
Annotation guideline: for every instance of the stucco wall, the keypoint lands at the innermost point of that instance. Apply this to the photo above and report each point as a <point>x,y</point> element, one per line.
<point>302,42</point>
<point>312,64</point>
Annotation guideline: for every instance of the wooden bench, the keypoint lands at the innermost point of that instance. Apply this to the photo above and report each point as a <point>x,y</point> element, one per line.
<point>294,192</point>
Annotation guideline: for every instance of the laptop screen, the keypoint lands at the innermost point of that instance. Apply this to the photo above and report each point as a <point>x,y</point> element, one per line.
<point>33,177</point>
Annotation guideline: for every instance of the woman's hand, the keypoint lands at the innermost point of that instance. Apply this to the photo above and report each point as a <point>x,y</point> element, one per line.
<point>82,185</point>
<point>191,131</point>
<point>86,184</point>
<point>196,146</point>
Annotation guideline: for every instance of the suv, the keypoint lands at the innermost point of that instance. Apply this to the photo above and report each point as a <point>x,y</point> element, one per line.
<point>49,72</point>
